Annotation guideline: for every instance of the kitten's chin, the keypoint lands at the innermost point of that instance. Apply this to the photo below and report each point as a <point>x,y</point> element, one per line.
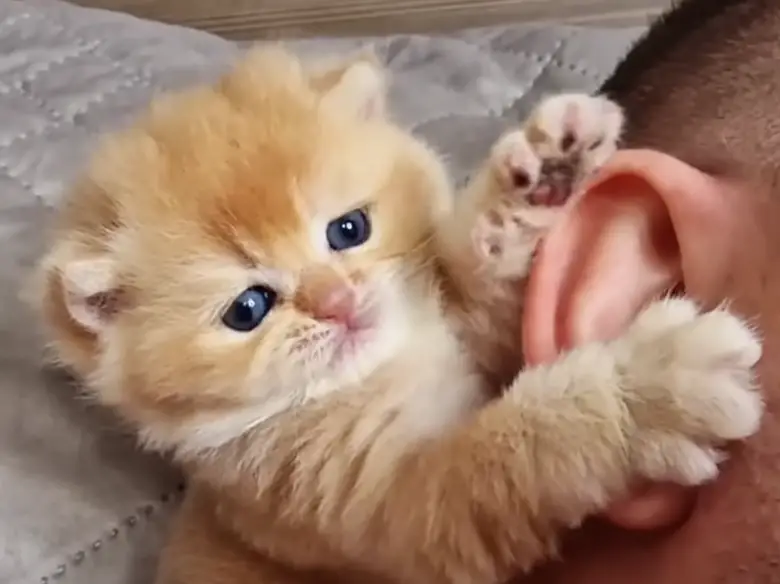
<point>349,341</point>
<point>353,354</point>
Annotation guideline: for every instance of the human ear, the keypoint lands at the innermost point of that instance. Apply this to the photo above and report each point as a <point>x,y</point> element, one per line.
<point>645,224</point>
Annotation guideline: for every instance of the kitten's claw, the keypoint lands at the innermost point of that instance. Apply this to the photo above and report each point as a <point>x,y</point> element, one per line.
<point>696,392</point>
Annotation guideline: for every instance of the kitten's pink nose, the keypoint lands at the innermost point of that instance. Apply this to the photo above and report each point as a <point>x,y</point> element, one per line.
<point>336,304</point>
<point>327,296</point>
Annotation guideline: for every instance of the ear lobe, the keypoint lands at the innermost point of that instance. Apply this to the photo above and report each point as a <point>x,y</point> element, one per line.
<point>357,87</point>
<point>644,225</point>
<point>89,293</point>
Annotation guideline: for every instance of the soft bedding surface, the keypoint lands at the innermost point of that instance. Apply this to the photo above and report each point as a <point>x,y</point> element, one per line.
<point>78,504</point>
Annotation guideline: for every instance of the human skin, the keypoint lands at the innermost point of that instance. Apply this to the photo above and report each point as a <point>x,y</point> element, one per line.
<point>709,212</point>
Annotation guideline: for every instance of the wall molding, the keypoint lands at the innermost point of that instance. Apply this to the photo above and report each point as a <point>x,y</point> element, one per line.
<point>253,19</point>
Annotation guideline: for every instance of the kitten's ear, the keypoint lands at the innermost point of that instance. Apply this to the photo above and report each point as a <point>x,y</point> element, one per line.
<point>357,86</point>
<point>89,293</point>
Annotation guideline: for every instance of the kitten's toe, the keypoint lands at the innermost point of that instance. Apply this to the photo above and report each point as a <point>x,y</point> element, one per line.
<point>488,235</point>
<point>662,316</point>
<point>515,164</point>
<point>504,242</point>
<point>571,123</point>
<point>694,389</point>
<point>662,456</point>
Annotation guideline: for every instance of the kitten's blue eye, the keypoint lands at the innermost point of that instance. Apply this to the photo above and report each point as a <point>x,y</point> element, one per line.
<point>349,230</point>
<point>249,309</point>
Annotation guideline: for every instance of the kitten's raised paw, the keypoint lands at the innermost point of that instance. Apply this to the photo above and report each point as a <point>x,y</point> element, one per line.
<point>537,168</point>
<point>565,139</point>
<point>694,388</point>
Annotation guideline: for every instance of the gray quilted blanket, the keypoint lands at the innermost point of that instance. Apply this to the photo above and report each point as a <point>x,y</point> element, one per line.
<point>79,504</point>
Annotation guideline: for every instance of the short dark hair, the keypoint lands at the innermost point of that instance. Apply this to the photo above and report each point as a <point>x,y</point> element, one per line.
<point>677,25</point>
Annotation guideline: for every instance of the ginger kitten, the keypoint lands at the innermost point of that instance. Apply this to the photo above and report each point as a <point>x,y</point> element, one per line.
<point>270,279</point>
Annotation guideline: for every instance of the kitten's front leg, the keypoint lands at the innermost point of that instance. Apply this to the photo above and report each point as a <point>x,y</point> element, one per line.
<point>567,438</point>
<point>487,244</point>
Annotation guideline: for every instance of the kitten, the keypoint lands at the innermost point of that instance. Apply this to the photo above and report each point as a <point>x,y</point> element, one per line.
<point>272,280</point>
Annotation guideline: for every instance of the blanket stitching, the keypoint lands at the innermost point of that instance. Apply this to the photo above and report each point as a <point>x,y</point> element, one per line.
<point>526,55</point>
<point>545,67</point>
<point>144,511</point>
<point>544,64</point>
<point>13,20</point>
<point>56,121</point>
<point>576,66</point>
<point>464,180</point>
<point>21,87</point>
<point>35,71</point>
<point>6,171</point>
<point>538,77</point>
<point>54,125</point>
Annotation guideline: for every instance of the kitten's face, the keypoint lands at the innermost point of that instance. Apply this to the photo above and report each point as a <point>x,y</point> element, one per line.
<point>265,244</point>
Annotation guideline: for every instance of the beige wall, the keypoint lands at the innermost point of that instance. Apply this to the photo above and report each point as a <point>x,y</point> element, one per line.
<point>248,19</point>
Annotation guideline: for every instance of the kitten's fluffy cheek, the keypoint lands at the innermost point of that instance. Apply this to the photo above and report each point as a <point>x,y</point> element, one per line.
<point>352,363</point>
<point>205,393</point>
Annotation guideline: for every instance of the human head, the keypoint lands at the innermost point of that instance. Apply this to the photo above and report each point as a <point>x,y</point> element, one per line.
<point>698,189</point>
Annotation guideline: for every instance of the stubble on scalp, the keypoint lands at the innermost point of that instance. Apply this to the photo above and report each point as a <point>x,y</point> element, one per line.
<point>701,85</point>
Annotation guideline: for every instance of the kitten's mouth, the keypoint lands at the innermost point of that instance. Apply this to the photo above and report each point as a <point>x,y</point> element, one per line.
<point>348,341</point>
<point>349,336</point>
